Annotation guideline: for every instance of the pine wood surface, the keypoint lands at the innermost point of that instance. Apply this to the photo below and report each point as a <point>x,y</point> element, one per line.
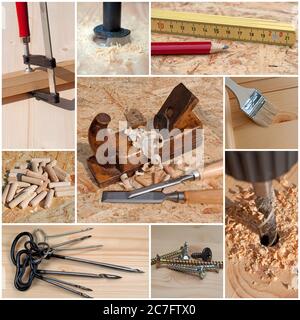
<point>62,209</point>
<point>28,123</point>
<point>241,58</point>
<point>167,283</point>
<point>122,245</point>
<point>115,96</point>
<point>282,93</point>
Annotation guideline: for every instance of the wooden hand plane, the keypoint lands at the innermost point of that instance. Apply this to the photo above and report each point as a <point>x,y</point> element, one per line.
<point>176,112</point>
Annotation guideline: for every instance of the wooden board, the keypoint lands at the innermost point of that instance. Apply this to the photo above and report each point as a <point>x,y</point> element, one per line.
<point>167,283</point>
<point>30,123</point>
<point>132,58</point>
<point>243,284</point>
<point>20,82</point>
<point>283,133</point>
<point>62,209</point>
<point>115,96</point>
<point>122,245</point>
<point>241,57</point>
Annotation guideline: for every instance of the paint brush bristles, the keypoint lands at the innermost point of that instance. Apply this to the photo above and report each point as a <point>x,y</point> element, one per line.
<point>253,103</point>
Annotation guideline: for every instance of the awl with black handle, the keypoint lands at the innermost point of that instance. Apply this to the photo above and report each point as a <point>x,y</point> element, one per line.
<point>191,197</point>
<point>46,61</point>
<point>212,170</point>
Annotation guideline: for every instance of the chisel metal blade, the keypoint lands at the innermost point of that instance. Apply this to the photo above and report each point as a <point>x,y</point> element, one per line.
<point>122,197</point>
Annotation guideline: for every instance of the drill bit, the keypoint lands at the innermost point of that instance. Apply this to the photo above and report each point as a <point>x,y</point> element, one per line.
<point>265,203</point>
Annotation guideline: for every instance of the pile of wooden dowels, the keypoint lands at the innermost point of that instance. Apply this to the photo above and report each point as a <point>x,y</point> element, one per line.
<point>36,183</point>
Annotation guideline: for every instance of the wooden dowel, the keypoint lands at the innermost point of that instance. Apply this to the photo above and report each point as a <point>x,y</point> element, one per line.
<point>36,181</point>
<point>59,184</point>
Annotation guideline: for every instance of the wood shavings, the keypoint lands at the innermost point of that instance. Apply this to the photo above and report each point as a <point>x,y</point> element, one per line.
<point>243,242</point>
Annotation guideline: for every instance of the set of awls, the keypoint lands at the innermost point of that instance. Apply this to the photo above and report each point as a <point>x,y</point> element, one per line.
<point>45,61</point>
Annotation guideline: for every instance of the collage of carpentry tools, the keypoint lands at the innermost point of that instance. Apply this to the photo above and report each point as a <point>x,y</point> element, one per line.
<point>149,150</point>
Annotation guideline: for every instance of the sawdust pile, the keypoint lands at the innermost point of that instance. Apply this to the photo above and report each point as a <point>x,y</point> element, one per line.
<point>243,243</point>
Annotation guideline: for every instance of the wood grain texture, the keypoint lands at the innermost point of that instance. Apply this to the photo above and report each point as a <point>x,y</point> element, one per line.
<point>131,58</point>
<point>62,209</point>
<point>239,282</point>
<point>15,83</point>
<point>28,123</point>
<point>283,132</point>
<point>241,57</point>
<point>167,283</point>
<point>116,96</point>
<point>122,245</point>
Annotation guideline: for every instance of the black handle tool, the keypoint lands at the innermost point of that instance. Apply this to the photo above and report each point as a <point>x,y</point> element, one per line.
<point>110,32</point>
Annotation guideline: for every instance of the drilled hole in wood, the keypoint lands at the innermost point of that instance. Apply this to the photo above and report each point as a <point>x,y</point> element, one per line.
<point>265,241</point>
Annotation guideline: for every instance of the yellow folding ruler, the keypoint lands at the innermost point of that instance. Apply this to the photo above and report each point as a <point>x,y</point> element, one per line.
<point>222,27</point>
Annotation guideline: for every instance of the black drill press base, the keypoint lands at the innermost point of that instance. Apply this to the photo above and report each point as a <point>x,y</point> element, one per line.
<point>101,33</point>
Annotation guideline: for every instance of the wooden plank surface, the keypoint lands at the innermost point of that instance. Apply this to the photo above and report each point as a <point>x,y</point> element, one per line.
<point>241,57</point>
<point>283,132</point>
<point>122,245</point>
<point>240,283</point>
<point>115,96</point>
<point>168,283</point>
<point>131,58</point>
<point>62,209</point>
<point>15,83</point>
<point>28,123</point>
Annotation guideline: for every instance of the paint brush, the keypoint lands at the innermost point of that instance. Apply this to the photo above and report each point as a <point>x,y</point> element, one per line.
<point>253,103</point>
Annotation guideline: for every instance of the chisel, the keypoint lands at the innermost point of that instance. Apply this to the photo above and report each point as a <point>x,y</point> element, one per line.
<point>212,170</point>
<point>190,197</point>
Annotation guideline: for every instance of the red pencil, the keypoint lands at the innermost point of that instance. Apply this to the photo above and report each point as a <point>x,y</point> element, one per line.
<point>206,47</point>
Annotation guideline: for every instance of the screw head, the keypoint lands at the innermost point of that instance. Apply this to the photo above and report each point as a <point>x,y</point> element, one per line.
<point>206,254</point>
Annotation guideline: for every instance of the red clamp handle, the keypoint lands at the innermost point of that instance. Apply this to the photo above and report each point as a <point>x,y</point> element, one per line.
<point>22,13</point>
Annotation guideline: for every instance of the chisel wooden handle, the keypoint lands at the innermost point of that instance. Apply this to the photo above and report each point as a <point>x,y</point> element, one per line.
<point>23,22</point>
<point>204,196</point>
<point>213,170</point>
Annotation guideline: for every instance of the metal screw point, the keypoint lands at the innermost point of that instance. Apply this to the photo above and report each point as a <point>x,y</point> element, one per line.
<point>181,253</point>
<point>205,255</point>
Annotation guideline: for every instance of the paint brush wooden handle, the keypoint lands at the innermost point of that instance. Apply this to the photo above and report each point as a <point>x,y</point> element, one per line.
<point>204,196</point>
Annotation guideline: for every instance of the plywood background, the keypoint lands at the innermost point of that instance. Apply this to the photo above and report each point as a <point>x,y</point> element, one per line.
<point>243,284</point>
<point>122,245</point>
<point>30,123</point>
<point>62,209</point>
<point>168,283</point>
<point>242,57</point>
<point>115,96</point>
<point>283,132</point>
<point>132,58</point>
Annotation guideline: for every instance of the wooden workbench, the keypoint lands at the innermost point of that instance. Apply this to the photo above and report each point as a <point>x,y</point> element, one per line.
<point>241,57</point>
<point>167,283</point>
<point>122,245</point>
<point>115,96</point>
<point>282,93</point>
<point>62,209</point>
<point>242,283</point>
<point>131,58</point>
<point>28,123</point>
